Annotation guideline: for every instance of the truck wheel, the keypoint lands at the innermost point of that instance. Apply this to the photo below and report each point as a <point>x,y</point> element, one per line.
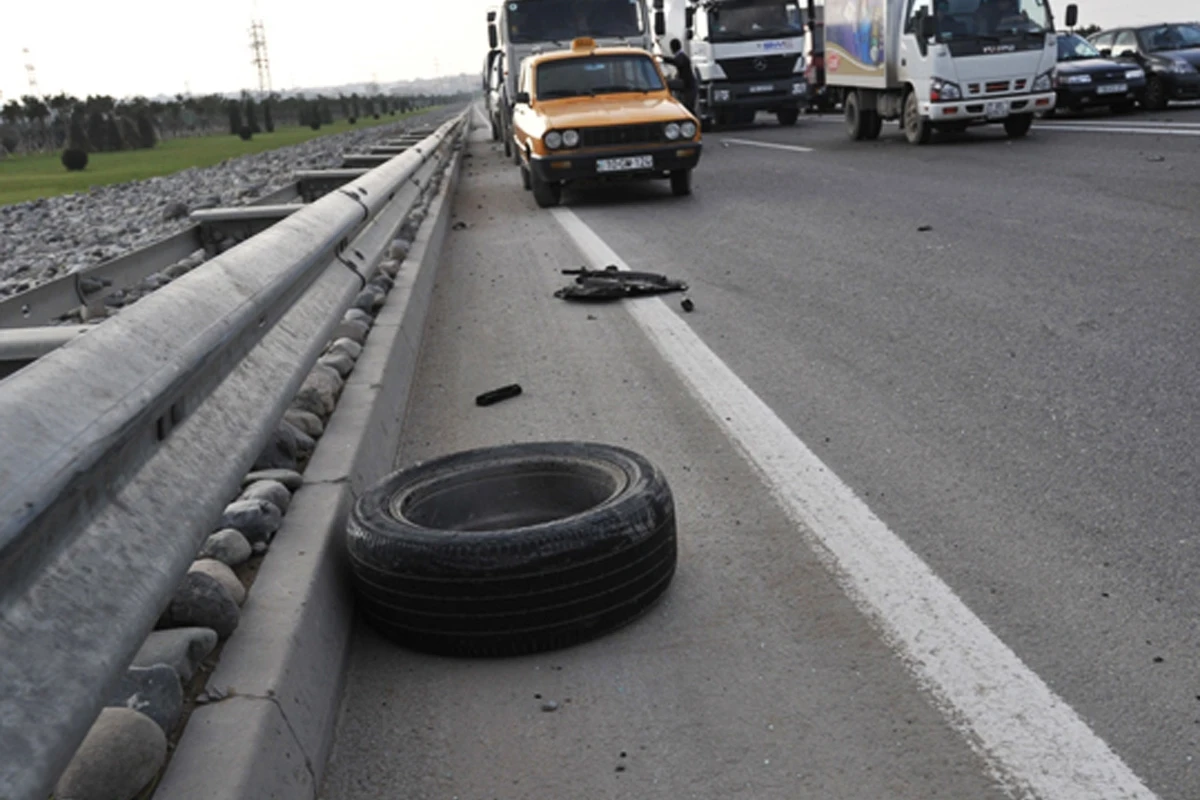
<point>546,194</point>
<point>1018,125</point>
<point>916,128</point>
<point>854,118</point>
<point>873,125</point>
<point>788,116</point>
<point>681,182</point>
<point>513,549</point>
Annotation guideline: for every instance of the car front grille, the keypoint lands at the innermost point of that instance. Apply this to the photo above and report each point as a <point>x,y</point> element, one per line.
<point>621,134</point>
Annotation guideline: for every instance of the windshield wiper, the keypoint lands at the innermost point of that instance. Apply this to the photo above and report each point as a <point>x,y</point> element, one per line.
<point>615,89</point>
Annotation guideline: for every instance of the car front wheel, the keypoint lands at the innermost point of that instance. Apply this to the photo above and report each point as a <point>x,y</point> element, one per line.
<point>681,182</point>
<point>546,194</point>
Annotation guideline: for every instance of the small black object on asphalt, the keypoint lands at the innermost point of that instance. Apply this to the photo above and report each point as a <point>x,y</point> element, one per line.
<point>458,226</point>
<point>925,228</point>
<point>688,305</point>
<point>613,284</point>
<point>496,395</point>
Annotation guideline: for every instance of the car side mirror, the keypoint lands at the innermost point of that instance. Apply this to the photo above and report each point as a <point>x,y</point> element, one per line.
<point>523,98</point>
<point>1072,15</point>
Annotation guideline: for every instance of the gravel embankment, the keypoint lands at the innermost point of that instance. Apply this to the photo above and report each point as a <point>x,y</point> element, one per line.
<point>43,239</point>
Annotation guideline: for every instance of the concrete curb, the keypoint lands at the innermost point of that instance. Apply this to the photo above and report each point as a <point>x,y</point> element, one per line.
<point>282,673</point>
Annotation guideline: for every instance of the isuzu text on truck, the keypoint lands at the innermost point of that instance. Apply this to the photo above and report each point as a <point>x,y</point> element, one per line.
<point>518,29</point>
<point>748,56</point>
<point>941,64</point>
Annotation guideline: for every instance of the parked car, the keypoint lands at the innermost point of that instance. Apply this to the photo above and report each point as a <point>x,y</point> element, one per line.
<point>1169,54</point>
<point>600,113</point>
<point>1086,79</point>
<point>493,88</point>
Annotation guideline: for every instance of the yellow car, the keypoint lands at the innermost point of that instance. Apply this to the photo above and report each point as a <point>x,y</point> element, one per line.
<point>600,113</point>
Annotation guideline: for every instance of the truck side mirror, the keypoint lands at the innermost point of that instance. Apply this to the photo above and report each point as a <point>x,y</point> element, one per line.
<point>658,5</point>
<point>493,37</point>
<point>812,15</point>
<point>660,23</point>
<point>522,98</point>
<point>1072,15</point>
<point>927,27</point>
<point>689,17</point>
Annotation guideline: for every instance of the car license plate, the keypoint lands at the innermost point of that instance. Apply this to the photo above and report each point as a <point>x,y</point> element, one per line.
<point>762,88</point>
<point>625,164</point>
<point>1113,88</point>
<point>997,110</point>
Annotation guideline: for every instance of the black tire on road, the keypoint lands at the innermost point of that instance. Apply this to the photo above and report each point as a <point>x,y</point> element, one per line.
<point>546,194</point>
<point>1156,94</point>
<point>525,180</point>
<point>681,182</point>
<point>917,129</point>
<point>874,125</point>
<point>855,123</point>
<point>788,116</point>
<point>513,549</point>
<point>1018,125</point>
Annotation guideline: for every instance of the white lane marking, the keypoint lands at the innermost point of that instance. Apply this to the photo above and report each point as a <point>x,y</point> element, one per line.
<point>1123,123</point>
<point>795,148</point>
<point>1060,126</point>
<point>1033,741</point>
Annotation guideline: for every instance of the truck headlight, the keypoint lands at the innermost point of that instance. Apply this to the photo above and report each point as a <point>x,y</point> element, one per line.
<point>671,131</point>
<point>571,138</point>
<point>688,129</point>
<point>553,140</point>
<point>720,95</point>
<point>940,90</point>
<point>799,88</point>
<point>1135,74</point>
<point>1044,82</point>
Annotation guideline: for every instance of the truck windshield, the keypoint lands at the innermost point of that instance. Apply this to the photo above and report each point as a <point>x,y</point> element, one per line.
<point>579,77</point>
<point>991,19</point>
<point>531,21</point>
<point>754,19</point>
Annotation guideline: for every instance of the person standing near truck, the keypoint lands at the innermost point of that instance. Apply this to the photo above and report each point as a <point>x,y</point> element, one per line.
<point>683,64</point>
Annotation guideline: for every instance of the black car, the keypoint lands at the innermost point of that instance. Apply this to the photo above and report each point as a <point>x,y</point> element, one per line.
<point>1169,53</point>
<point>1085,79</point>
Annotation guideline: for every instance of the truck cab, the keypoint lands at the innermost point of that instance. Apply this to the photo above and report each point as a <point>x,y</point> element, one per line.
<point>941,64</point>
<point>747,55</point>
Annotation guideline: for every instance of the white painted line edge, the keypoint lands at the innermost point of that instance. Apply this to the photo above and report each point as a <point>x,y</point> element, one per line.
<point>1060,126</point>
<point>795,148</point>
<point>1034,743</point>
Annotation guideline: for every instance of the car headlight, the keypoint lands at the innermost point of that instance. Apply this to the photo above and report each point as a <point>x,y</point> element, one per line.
<point>1045,82</point>
<point>720,95</point>
<point>571,138</point>
<point>672,131</point>
<point>1181,67</point>
<point>688,129</point>
<point>940,90</point>
<point>1074,80</point>
<point>1134,74</point>
<point>553,140</point>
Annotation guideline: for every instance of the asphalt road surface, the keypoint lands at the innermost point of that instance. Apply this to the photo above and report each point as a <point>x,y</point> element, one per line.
<point>933,436</point>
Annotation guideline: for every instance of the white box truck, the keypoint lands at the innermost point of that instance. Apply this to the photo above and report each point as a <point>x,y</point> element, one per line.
<point>748,56</point>
<point>941,64</point>
<point>518,29</point>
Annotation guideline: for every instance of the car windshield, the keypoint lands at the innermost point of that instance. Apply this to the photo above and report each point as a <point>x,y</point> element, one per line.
<point>754,19</point>
<point>1170,37</point>
<point>576,77</point>
<point>530,21</point>
<point>991,19</point>
<point>1075,48</point>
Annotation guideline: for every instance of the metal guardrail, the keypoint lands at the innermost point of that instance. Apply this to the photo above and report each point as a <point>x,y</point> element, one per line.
<point>119,449</point>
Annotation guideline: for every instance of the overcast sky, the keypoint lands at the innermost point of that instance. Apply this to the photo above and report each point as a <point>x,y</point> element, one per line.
<point>149,47</point>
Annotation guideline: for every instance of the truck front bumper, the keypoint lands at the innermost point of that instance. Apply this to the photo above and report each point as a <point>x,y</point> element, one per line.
<point>988,109</point>
<point>569,166</point>
<point>789,92</point>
